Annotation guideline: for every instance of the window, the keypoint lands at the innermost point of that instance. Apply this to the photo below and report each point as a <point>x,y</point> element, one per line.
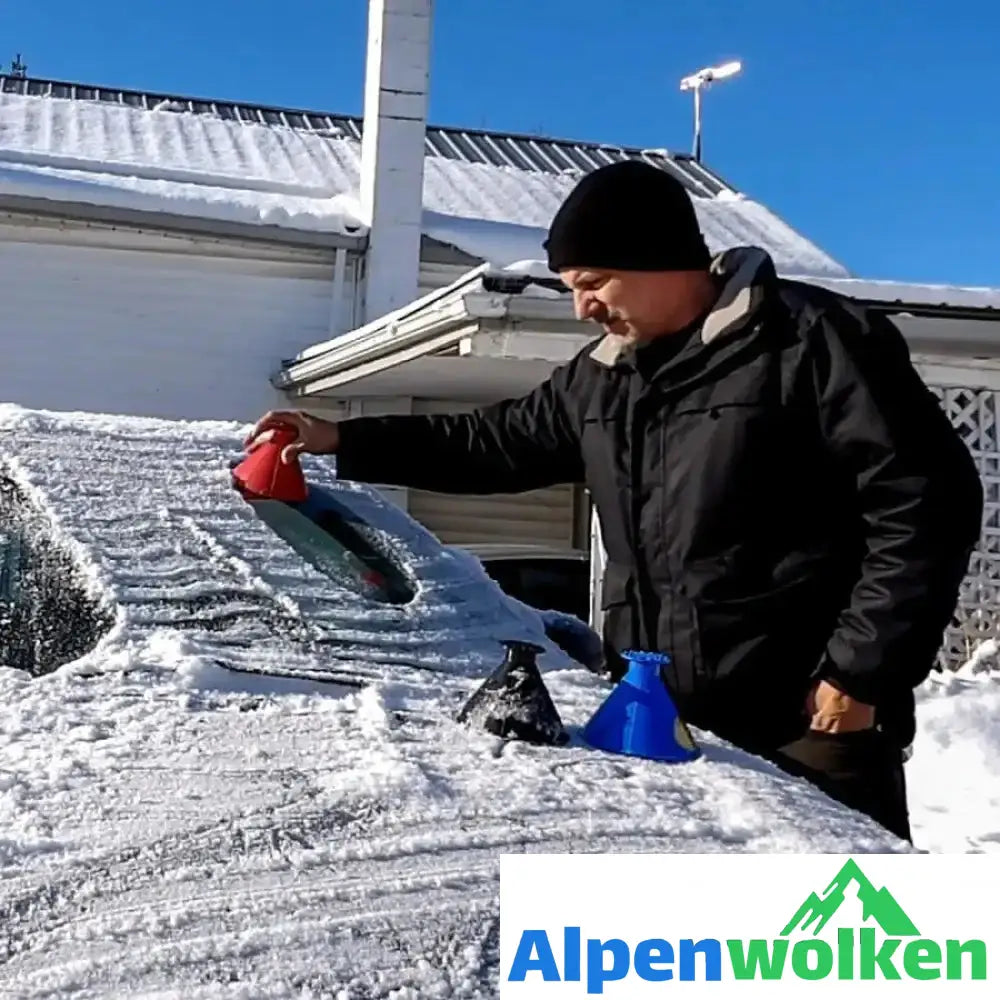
<point>331,539</point>
<point>48,616</point>
<point>11,559</point>
<point>548,584</point>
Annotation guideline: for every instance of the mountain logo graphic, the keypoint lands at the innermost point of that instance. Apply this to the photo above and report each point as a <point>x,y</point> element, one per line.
<point>877,904</point>
<point>881,946</point>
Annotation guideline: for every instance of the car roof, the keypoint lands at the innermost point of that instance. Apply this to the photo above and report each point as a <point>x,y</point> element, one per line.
<point>168,544</point>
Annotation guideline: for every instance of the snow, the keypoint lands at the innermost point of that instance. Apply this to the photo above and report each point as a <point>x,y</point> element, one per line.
<point>499,243</point>
<point>171,828</point>
<point>912,294</point>
<point>530,268</point>
<point>117,156</point>
<point>182,198</point>
<point>954,775</point>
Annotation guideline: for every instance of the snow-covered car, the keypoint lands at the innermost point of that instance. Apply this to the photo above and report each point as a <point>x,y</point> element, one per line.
<point>226,770</point>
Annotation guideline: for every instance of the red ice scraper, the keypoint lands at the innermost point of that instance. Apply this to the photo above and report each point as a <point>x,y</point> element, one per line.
<point>263,474</point>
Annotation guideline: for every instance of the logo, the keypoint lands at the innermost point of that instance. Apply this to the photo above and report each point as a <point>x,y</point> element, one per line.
<point>855,955</point>
<point>855,930</point>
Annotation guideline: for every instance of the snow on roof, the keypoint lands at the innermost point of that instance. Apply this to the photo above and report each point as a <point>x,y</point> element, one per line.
<point>280,169</point>
<point>902,293</point>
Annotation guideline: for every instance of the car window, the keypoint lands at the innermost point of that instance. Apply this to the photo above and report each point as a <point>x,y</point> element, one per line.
<point>545,584</point>
<point>324,533</point>
<point>11,559</point>
<point>48,614</point>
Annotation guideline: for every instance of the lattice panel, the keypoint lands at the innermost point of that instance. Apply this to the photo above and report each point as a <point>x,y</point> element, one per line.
<point>975,413</point>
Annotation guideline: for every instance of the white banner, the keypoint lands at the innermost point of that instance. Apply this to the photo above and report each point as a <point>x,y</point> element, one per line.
<point>742,925</point>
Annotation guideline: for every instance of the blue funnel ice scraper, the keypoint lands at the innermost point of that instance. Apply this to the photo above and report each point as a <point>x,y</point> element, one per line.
<point>639,717</point>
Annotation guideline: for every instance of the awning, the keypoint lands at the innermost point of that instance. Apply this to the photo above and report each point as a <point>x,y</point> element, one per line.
<point>501,315</point>
<point>485,314</point>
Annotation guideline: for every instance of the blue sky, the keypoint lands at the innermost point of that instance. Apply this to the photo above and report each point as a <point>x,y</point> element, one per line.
<point>869,125</point>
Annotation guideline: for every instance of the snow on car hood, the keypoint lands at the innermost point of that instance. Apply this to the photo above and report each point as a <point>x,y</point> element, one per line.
<point>170,828</point>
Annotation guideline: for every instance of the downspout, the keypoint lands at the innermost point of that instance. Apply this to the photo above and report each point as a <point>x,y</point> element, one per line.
<point>337,324</point>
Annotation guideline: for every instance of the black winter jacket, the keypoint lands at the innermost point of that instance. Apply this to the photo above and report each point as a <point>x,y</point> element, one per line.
<point>781,499</point>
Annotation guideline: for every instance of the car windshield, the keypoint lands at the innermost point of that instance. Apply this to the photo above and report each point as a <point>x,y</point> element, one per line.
<point>10,562</point>
<point>48,615</point>
<point>328,538</point>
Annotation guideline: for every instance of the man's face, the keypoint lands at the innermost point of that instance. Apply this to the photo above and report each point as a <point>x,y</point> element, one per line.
<point>636,305</point>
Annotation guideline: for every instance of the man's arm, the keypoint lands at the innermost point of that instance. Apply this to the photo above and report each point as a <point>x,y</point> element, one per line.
<point>508,447</point>
<point>918,492</point>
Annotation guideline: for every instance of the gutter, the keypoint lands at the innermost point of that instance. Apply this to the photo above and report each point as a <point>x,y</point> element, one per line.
<point>398,343</point>
<point>184,225</point>
<point>923,310</point>
<point>432,323</point>
<point>516,284</point>
<point>443,320</point>
<point>930,301</point>
<point>492,303</point>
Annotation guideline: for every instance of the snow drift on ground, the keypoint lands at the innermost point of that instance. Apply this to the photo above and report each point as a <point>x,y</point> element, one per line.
<point>954,774</point>
<point>171,828</point>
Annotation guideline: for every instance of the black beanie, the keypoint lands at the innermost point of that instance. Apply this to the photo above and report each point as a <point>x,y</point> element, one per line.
<point>629,216</point>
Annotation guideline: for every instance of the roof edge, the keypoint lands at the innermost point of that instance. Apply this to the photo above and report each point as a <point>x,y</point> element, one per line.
<point>187,225</point>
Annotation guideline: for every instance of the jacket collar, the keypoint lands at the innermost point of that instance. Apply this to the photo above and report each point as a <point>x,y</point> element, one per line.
<point>745,275</point>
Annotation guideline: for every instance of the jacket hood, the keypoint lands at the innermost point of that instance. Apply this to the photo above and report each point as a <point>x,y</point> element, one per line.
<point>745,275</point>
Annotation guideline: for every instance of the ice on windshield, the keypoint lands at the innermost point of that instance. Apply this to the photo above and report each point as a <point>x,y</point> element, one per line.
<point>48,614</point>
<point>332,545</point>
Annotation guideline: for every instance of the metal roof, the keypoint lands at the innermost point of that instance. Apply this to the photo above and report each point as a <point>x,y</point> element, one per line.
<point>501,149</point>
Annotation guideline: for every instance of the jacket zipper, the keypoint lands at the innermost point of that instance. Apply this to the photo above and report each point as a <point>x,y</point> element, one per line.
<point>646,599</point>
<point>647,637</point>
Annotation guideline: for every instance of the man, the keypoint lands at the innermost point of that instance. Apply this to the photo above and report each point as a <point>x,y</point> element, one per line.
<point>786,510</point>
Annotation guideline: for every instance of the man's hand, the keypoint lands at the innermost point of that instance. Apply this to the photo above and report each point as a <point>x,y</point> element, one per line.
<point>313,435</point>
<point>833,711</point>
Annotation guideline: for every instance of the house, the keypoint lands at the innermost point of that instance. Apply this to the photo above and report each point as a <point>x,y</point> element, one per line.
<point>199,259</point>
<point>174,254</point>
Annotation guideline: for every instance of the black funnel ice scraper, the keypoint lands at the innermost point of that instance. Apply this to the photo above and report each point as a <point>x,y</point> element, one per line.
<point>514,703</point>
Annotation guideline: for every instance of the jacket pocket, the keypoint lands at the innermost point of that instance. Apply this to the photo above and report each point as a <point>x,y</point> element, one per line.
<point>805,572</point>
<point>770,628</point>
<point>723,406</point>
<point>602,439</point>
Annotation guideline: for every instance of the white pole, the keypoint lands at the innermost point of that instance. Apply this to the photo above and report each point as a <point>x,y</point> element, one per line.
<point>697,123</point>
<point>705,78</point>
<point>598,562</point>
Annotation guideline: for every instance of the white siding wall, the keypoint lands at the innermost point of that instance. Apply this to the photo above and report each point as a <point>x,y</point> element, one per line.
<point>539,517</point>
<point>434,276</point>
<point>180,332</point>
